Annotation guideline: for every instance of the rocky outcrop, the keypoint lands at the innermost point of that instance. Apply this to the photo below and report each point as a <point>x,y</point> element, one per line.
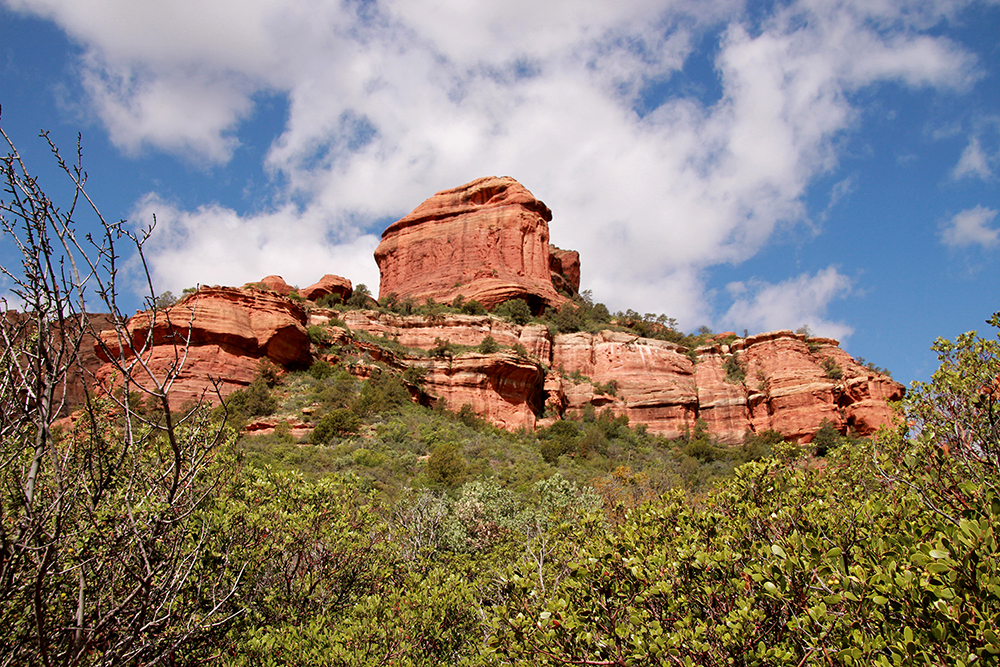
<point>487,240</point>
<point>564,267</point>
<point>502,388</point>
<point>275,284</point>
<point>775,381</point>
<point>328,284</point>
<point>425,332</point>
<point>651,381</point>
<point>213,340</point>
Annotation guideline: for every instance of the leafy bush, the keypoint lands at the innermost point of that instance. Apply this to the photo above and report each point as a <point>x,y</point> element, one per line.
<point>831,368</point>
<point>445,466</point>
<point>442,349</point>
<point>361,297</point>
<point>515,310</point>
<point>254,401</point>
<point>382,392</point>
<point>322,369</point>
<point>826,439</point>
<point>609,388</point>
<point>319,336</point>
<point>338,423</point>
<point>735,372</point>
<point>329,301</point>
<point>488,345</point>
<point>569,318</point>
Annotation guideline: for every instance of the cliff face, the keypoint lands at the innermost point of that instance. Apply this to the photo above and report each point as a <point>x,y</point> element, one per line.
<point>217,335</point>
<point>783,382</point>
<point>487,240</point>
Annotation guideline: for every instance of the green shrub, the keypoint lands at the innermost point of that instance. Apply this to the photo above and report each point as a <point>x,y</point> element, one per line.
<point>337,391</point>
<point>442,349</point>
<point>515,310</point>
<point>735,373</point>
<point>569,319</point>
<point>322,369</point>
<point>831,368</point>
<point>473,307</point>
<point>826,439</point>
<point>338,423</point>
<point>254,401</point>
<point>269,372</point>
<point>489,345</point>
<point>318,336</point>
<point>445,466</point>
<point>609,388</point>
<point>361,297</point>
<point>382,392</point>
<point>329,301</point>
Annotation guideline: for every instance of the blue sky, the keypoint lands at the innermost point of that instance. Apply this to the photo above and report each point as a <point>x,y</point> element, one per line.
<point>755,166</point>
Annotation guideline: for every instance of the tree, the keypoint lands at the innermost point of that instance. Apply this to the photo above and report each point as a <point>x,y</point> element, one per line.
<point>361,297</point>
<point>339,422</point>
<point>102,541</point>
<point>515,310</point>
<point>446,465</point>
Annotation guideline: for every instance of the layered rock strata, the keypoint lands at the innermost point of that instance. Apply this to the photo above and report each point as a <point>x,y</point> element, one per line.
<point>212,341</point>
<point>487,240</point>
<point>775,381</point>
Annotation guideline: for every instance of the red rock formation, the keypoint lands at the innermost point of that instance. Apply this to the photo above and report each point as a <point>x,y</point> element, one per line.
<point>651,381</point>
<point>328,284</point>
<point>785,386</point>
<point>501,387</point>
<point>564,266</point>
<point>217,334</point>
<point>487,240</point>
<point>276,284</point>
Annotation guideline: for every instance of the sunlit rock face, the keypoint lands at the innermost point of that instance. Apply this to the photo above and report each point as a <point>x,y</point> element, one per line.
<point>487,240</point>
<point>216,337</point>
<point>783,383</point>
<point>327,285</point>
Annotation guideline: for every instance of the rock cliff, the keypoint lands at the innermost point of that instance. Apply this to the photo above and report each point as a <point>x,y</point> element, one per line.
<point>487,240</point>
<point>779,381</point>
<point>217,334</point>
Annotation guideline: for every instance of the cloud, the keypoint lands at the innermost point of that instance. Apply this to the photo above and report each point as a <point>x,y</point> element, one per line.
<point>392,101</point>
<point>214,245</point>
<point>803,300</point>
<point>970,228</point>
<point>974,162</point>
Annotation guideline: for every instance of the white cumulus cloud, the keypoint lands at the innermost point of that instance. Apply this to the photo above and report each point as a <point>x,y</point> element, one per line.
<point>799,301</point>
<point>971,227</point>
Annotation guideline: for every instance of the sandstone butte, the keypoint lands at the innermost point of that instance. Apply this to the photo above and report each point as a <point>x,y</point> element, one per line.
<point>487,240</point>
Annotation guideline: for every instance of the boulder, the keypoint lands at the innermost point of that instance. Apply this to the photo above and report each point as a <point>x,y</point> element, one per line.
<point>276,284</point>
<point>487,240</point>
<point>328,284</point>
